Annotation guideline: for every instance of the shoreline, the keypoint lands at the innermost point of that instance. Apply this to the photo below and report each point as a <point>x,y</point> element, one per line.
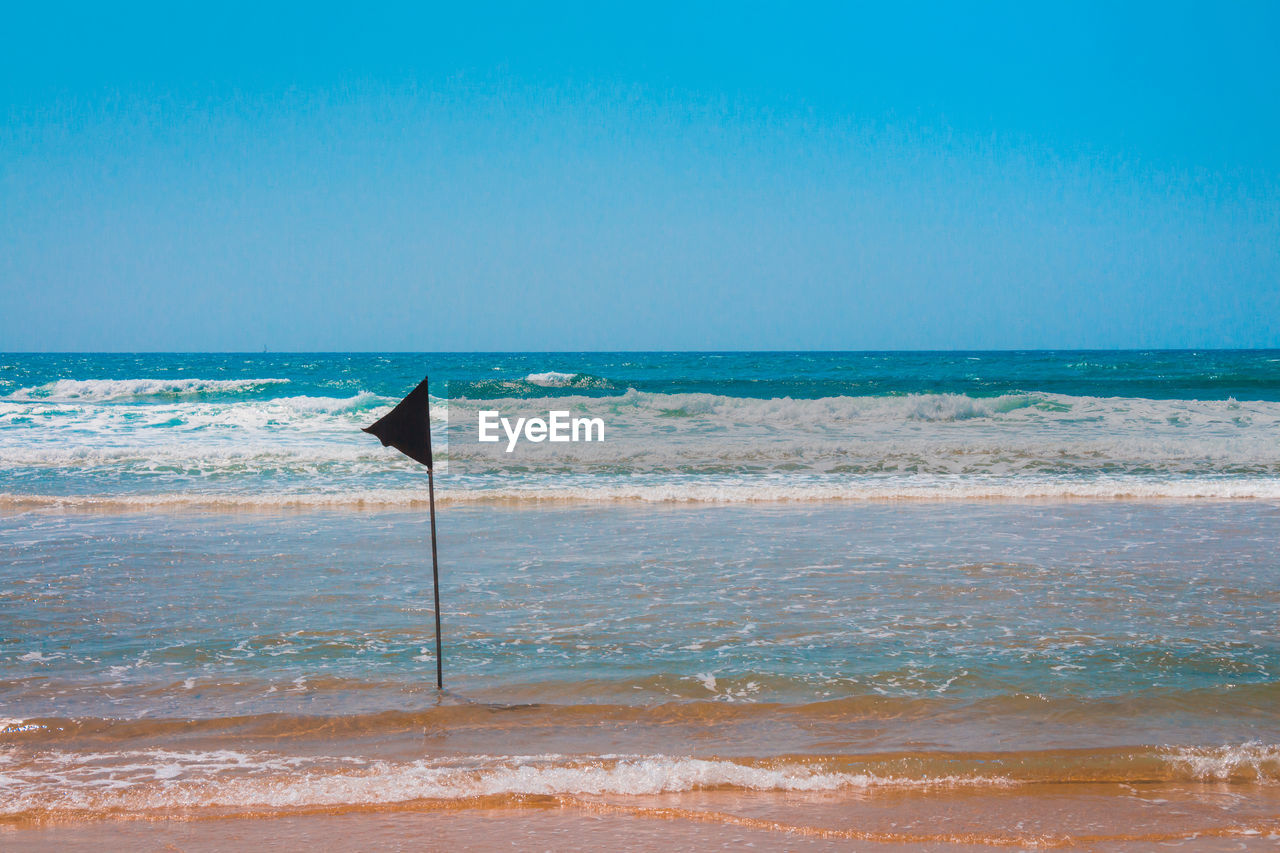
<point>1055,817</point>
<point>393,501</point>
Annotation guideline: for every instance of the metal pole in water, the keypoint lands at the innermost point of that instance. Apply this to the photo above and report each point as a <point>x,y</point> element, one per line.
<point>435,574</point>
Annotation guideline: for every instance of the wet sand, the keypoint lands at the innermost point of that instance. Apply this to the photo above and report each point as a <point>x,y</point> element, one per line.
<point>1086,817</point>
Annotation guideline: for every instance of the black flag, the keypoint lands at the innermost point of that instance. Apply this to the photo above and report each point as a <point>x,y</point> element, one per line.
<point>407,427</point>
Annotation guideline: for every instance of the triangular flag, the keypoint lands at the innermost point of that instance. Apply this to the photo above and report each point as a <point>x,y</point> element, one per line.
<point>407,427</point>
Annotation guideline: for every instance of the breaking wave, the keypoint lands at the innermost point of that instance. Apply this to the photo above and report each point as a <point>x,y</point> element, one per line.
<point>554,379</point>
<point>303,450</point>
<point>531,386</point>
<point>1253,762</point>
<point>328,781</point>
<point>138,781</point>
<point>115,390</point>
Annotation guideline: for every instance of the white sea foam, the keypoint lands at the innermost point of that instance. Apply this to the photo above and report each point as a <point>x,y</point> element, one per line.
<point>555,379</point>
<point>906,407</point>
<point>139,780</point>
<point>360,401</point>
<point>1253,761</point>
<point>692,494</point>
<point>198,437</point>
<point>100,390</point>
<point>14,725</point>
<point>668,447</point>
<point>156,779</point>
<point>943,434</point>
<point>550,379</point>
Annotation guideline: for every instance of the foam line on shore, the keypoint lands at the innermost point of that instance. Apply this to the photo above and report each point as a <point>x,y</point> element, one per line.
<point>1265,489</point>
<point>158,778</point>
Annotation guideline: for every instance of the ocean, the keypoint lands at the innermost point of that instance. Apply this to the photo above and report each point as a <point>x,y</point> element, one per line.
<point>808,600</point>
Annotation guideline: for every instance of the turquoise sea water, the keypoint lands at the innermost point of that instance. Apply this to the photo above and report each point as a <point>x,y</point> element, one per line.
<point>780,572</point>
<point>719,427</point>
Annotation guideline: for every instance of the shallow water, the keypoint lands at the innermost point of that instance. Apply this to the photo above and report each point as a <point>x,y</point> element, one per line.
<point>253,662</point>
<point>215,603</point>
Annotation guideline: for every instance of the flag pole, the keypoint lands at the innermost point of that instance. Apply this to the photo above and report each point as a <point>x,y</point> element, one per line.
<point>435,562</point>
<point>407,428</point>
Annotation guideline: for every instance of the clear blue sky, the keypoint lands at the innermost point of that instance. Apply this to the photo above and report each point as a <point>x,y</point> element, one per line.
<point>740,176</point>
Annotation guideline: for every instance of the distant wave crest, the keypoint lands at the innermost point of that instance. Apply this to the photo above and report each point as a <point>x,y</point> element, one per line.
<point>106,390</point>
<point>530,386</point>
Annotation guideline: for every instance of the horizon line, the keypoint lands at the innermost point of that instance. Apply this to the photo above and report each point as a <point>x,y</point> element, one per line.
<point>1004,350</point>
